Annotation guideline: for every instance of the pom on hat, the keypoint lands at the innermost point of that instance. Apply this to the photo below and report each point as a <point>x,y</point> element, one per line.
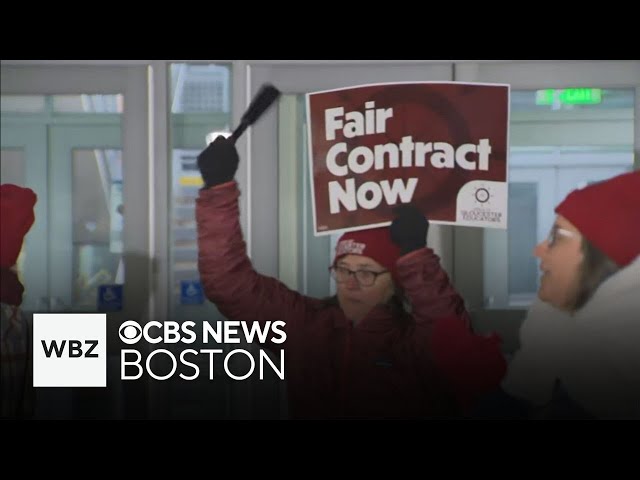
<point>374,243</point>
<point>16,217</point>
<point>608,215</point>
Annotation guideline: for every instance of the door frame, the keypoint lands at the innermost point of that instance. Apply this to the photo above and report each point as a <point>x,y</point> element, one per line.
<point>32,141</point>
<point>63,140</point>
<point>132,82</point>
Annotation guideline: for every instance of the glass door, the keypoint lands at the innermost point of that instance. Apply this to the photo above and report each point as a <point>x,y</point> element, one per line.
<point>78,136</point>
<point>22,162</point>
<point>86,164</point>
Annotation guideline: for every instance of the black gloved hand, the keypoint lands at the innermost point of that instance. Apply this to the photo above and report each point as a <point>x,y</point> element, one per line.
<point>218,162</point>
<point>409,228</point>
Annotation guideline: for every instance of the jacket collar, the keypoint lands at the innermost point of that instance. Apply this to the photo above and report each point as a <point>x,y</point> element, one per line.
<point>379,318</point>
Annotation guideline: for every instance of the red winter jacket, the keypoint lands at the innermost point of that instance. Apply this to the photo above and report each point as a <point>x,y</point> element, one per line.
<point>380,368</point>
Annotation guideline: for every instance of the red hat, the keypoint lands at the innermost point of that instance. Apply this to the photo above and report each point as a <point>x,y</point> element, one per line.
<point>374,243</point>
<point>608,215</point>
<point>16,217</point>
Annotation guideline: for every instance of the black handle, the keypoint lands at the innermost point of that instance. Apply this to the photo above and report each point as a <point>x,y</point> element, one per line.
<point>265,97</point>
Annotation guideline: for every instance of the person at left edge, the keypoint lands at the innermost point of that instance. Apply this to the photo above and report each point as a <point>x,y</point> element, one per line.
<point>17,395</point>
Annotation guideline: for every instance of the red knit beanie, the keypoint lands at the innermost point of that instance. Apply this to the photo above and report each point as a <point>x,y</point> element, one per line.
<point>17,217</point>
<point>608,215</point>
<point>374,243</point>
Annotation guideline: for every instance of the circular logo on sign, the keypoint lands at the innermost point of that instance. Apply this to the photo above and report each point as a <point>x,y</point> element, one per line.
<point>482,195</point>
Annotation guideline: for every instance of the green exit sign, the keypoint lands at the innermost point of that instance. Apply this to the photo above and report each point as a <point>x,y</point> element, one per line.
<point>569,96</point>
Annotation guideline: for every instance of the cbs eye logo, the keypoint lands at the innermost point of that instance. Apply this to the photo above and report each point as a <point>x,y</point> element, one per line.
<point>130,332</point>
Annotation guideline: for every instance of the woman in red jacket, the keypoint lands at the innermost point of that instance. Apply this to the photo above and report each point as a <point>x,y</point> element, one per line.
<point>394,342</point>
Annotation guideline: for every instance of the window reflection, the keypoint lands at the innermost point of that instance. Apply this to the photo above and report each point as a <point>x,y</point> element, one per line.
<point>97,223</point>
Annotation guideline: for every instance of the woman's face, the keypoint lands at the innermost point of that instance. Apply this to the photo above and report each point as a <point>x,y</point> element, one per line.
<point>356,299</point>
<point>561,256</point>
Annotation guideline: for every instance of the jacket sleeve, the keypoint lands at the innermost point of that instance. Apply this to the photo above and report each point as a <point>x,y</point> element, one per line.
<point>427,287</point>
<point>470,364</point>
<point>228,277</point>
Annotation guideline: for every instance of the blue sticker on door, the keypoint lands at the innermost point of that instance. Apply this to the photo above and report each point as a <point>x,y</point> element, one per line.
<point>191,292</point>
<point>110,298</point>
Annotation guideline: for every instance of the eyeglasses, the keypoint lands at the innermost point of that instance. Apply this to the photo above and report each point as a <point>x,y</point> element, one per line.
<point>365,278</point>
<point>556,231</point>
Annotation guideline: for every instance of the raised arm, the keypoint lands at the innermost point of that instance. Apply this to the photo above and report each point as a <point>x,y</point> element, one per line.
<point>425,283</point>
<point>228,277</point>
<point>471,364</point>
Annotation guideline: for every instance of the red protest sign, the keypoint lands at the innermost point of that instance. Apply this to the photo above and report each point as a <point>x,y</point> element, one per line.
<point>439,145</point>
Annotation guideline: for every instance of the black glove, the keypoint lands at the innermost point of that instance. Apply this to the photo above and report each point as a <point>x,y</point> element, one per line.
<point>409,228</point>
<point>218,162</point>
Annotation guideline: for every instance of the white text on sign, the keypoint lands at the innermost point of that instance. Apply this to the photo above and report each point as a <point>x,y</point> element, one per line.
<point>407,153</point>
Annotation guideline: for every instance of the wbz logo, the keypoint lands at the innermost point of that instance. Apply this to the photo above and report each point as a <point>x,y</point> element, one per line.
<point>69,350</point>
<point>75,348</point>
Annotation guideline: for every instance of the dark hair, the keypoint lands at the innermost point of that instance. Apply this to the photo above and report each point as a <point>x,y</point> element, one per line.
<point>596,267</point>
